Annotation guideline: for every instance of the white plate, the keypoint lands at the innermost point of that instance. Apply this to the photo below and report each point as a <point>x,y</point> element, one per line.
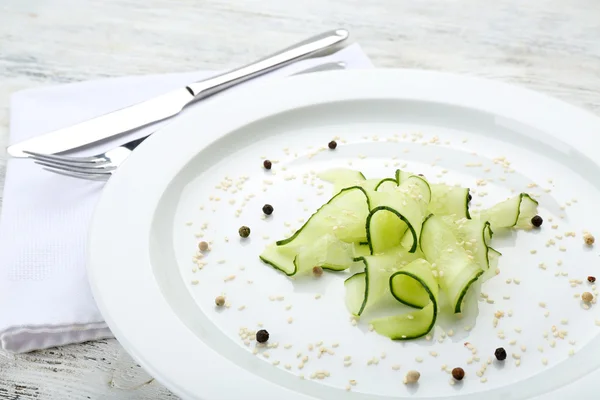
<point>144,237</point>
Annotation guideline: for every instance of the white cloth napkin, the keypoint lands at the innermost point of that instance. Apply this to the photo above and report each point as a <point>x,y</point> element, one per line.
<point>45,299</point>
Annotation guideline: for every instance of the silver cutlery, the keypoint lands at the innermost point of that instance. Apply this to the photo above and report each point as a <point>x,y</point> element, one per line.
<point>170,104</point>
<point>100,167</point>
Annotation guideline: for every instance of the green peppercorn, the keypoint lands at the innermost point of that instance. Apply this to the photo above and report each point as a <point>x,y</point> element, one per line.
<point>244,231</point>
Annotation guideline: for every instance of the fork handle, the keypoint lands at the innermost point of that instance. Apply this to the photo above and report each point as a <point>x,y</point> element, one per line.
<point>325,43</point>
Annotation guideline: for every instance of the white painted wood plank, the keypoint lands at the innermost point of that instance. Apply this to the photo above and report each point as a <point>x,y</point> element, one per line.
<point>545,45</point>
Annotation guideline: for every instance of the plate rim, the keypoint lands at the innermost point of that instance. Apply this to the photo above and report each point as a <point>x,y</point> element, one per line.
<point>544,113</point>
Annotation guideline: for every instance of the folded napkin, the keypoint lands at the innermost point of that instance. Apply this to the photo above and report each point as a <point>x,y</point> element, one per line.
<point>45,299</point>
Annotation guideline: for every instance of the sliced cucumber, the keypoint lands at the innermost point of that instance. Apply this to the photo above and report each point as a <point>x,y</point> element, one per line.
<point>456,270</point>
<point>355,292</point>
<point>474,236</point>
<point>416,286</point>
<point>344,216</point>
<point>361,250</point>
<point>280,258</point>
<point>377,272</point>
<point>386,185</point>
<point>342,178</point>
<point>401,176</point>
<point>409,203</point>
<point>386,228</point>
<point>449,200</point>
<point>327,252</point>
<point>514,212</point>
<point>413,284</point>
<point>403,239</point>
<point>494,256</point>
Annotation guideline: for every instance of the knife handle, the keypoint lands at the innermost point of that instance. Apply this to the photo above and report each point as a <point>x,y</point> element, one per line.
<point>325,43</point>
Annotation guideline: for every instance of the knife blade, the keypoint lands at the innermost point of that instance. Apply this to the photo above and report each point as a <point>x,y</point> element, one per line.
<point>171,103</point>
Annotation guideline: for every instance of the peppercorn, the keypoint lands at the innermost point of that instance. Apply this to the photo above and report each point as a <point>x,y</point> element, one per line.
<point>317,271</point>
<point>244,231</point>
<point>469,197</point>
<point>262,336</point>
<point>537,221</point>
<point>203,246</point>
<point>332,145</point>
<point>267,164</point>
<point>500,354</point>
<point>588,239</point>
<point>458,373</point>
<point>412,377</point>
<point>268,209</point>
<point>220,301</point>
<point>587,297</point>
<point>591,279</point>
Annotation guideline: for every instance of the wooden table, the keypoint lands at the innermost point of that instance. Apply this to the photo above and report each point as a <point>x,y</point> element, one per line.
<point>546,45</point>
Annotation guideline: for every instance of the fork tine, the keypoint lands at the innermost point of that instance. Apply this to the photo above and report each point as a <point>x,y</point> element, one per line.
<point>68,163</point>
<point>65,159</point>
<point>82,170</point>
<point>88,177</point>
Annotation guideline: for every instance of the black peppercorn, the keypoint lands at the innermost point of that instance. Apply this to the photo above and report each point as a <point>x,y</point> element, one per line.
<point>458,373</point>
<point>268,209</point>
<point>537,221</point>
<point>469,197</point>
<point>500,354</point>
<point>267,164</point>
<point>244,231</point>
<point>262,336</point>
<point>332,145</point>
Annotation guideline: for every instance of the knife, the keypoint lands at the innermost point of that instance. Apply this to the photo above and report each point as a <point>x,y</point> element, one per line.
<point>171,103</point>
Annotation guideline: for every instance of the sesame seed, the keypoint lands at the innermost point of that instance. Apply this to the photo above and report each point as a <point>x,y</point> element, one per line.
<point>395,367</point>
<point>545,361</point>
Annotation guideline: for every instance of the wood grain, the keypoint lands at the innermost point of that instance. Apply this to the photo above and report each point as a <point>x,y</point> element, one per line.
<point>547,45</point>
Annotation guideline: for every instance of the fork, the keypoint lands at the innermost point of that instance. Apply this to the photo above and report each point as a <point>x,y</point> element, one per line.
<point>100,167</point>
